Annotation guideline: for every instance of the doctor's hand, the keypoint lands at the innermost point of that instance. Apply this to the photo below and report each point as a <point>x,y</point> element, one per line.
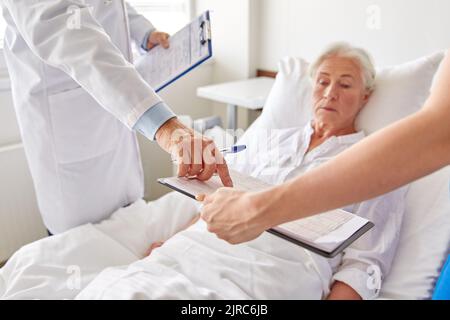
<point>232,215</point>
<point>158,37</point>
<point>197,156</point>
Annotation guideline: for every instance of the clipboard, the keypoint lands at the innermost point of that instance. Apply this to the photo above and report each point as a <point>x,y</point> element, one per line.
<point>189,47</point>
<point>192,187</point>
<point>164,183</point>
<point>355,236</point>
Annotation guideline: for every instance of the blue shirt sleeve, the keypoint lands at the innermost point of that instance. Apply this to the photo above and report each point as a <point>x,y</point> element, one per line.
<point>442,289</point>
<point>149,123</point>
<point>144,43</point>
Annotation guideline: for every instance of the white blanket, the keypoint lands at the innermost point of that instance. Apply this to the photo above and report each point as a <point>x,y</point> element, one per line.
<point>194,264</point>
<point>102,261</point>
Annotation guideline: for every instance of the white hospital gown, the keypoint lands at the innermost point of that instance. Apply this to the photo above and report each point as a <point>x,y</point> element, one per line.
<point>194,264</point>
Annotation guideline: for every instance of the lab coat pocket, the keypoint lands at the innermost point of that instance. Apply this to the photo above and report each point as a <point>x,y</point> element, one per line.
<point>82,129</point>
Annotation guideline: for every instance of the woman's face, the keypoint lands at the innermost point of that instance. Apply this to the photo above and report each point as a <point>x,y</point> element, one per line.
<point>339,92</point>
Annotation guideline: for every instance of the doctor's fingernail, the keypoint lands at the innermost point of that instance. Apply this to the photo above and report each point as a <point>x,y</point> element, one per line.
<point>200,197</point>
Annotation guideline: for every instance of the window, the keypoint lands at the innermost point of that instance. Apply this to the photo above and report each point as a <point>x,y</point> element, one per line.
<point>166,15</point>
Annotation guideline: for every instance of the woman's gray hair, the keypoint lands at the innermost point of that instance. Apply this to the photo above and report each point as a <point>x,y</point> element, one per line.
<point>345,50</point>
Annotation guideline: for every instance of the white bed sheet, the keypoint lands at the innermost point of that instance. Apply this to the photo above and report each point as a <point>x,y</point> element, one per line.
<point>104,261</point>
<point>59,267</point>
<point>194,264</point>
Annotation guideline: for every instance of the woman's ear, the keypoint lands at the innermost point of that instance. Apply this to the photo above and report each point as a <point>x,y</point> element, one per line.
<point>366,97</point>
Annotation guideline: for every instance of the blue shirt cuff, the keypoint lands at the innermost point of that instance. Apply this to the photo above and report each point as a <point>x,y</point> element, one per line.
<point>144,43</point>
<point>149,123</point>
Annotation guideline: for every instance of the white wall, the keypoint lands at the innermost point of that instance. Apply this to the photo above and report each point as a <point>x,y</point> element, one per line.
<point>407,28</point>
<point>20,221</point>
<point>231,36</point>
<point>234,25</point>
<point>181,97</point>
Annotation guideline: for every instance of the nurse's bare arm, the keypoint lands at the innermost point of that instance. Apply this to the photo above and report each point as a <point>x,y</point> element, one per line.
<point>401,153</point>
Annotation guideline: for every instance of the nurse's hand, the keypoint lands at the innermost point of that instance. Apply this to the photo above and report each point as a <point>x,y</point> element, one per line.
<point>158,37</point>
<point>197,156</point>
<point>233,215</point>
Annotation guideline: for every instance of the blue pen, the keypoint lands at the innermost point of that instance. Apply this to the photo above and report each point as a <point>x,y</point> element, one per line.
<point>233,149</point>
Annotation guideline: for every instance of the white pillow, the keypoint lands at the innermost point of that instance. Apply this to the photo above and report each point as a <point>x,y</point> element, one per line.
<point>288,102</point>
<point>399,91</point>
<point>424,240</point>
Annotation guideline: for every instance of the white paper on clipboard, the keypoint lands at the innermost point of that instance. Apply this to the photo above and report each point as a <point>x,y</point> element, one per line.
<point>189,47</point>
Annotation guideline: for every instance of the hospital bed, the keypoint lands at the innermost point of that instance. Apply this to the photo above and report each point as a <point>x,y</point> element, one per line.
<point>425,235</point>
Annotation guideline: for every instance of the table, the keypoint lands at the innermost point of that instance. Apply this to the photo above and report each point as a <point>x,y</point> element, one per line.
<point>250,94</point>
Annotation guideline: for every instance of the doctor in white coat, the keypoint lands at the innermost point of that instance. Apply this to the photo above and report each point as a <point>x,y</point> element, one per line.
<point>79,99</point>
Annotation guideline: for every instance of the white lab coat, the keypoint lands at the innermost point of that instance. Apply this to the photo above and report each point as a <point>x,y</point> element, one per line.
<point>77,95</point>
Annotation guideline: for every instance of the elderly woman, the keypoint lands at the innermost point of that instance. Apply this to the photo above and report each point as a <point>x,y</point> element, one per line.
<point>195,264</point>
<point>343,80</point>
